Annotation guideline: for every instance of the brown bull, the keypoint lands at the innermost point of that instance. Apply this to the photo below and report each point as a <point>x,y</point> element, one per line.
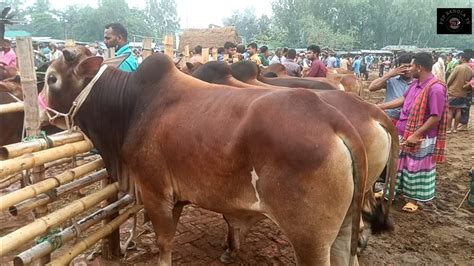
<point>375,128</point>
<point>343,79</point>
<point>240,152</point>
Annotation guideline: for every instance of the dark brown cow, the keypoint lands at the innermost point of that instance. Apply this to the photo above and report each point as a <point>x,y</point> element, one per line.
<point>373,125</point>
<point>240,152</point>
<point>12,123</point>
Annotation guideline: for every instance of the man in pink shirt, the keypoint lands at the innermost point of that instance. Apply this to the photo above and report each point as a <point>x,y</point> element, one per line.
<point>7,56</point>
<point>318,69</point>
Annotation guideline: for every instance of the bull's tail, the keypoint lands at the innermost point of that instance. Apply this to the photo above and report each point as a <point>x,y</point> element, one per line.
<point>391,174</point>
<point>360,170</point>
<point>379,217</point>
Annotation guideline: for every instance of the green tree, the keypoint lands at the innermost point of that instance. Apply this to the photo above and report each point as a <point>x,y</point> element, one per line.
<point>162,16</point>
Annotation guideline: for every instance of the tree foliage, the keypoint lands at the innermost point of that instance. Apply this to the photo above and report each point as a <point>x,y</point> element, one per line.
<point>85,23</point>
<point>348,24</point>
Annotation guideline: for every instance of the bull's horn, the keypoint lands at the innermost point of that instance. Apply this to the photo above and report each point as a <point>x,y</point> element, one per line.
<point>69,55</point>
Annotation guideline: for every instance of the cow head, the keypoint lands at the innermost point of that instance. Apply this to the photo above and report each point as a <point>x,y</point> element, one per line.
<point>13,86</point>
<point>68,76</point>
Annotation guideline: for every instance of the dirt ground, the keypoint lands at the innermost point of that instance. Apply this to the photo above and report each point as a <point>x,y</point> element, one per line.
<point>438,234</point>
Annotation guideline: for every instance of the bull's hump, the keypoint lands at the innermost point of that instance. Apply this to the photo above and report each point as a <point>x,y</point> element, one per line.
<point>155,67</point>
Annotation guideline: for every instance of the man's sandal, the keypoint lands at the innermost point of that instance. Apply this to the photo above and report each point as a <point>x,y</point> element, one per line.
<point>410,207</point>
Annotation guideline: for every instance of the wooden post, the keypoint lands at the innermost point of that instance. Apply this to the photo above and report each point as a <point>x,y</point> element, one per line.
<point>28,82</point>
<point>146,47</point>
<point>32,122</point>
<point>110,244</point>
<point>186,53</point>
<point>70,44</point>
<point>205,55</point>
<point>214,54</point>
<point>168,43</point>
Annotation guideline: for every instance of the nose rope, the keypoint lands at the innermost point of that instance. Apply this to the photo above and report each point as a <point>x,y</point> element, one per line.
<point>76,104</point>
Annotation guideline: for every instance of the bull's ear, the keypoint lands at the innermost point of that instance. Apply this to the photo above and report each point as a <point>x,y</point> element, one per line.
<point>116,61</point>
<point>89,67</point>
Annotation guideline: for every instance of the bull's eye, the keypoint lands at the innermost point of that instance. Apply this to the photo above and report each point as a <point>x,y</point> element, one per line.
<point>52,79</point>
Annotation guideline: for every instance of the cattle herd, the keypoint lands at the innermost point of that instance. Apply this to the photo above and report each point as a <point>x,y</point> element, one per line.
<point>303,152</point>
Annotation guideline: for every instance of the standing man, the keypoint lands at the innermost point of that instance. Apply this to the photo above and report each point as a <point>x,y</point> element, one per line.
<point>345,64</point>
<point>7,56</point>
<point>332,61</point>
<point>396,82</point>
<point>458,88</point>
<point>230,50</point>
<point>356,66</point>
<point>264,55</point>
<point>253,54</point>
<point>439,70</point>
<point>292,68</point>
<point>197,55</point>
<point>276,57</point>
<point>54,53</point>
<point>422,133</point>
<point>318,69</point>
<point>115,35</point>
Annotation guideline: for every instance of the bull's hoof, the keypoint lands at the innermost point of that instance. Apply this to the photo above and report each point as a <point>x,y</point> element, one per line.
<point>228,257</point>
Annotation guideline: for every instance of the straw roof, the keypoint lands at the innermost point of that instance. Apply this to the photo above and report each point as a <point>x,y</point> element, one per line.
<point>215,37</point>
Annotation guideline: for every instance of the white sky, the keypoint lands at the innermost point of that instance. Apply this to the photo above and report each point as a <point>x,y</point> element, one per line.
<point>192,13</point>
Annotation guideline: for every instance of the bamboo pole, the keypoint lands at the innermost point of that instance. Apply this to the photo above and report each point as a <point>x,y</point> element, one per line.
<point>69,43</point>
<point>27,161</point>
<point>168,43</point>
<point>146,47</point>
<point>109,53</point>
<point>56,241</point>
<point>205,55</point>
<point>11,107</point>
<point>49,196</point>
<point>186,53</point>
<point>26,63</point>
<point>17,238</point>
<point>33,190</point>
<point>11,180</point>
<point>214,54</point>
<point>90,240</point>
<point>17,149</point>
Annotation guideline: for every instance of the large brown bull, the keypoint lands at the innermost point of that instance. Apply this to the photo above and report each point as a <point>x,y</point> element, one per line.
<point>375,128</point>
<point>240,152</point>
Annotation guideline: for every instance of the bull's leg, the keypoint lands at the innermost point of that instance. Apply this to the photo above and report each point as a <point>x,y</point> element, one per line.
<point>164,215</point>
<point>341,248</point>
<point>237,229</point>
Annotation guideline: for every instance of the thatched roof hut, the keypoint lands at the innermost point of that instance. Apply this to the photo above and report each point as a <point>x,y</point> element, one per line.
<point>215,37</point>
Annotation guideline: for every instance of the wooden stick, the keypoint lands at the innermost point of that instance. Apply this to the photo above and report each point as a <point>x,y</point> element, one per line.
<point>17,238</point>
<point>205,55</point>
<point>33,190</point>
<point>13,179</point>
<point>48,197</point>
<point>186,53</point>
<point>168,43</point>
<point>147,41</point>
<point>46,247</point>
<point>27,161</point>
<point>69,43</point>
<point>464,199</point>
<point>11,108</point>
<point>17,149</point>
<point>90,240</point>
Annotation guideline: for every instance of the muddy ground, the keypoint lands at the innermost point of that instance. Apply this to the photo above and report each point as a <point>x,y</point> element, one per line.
<point>438,234</point>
